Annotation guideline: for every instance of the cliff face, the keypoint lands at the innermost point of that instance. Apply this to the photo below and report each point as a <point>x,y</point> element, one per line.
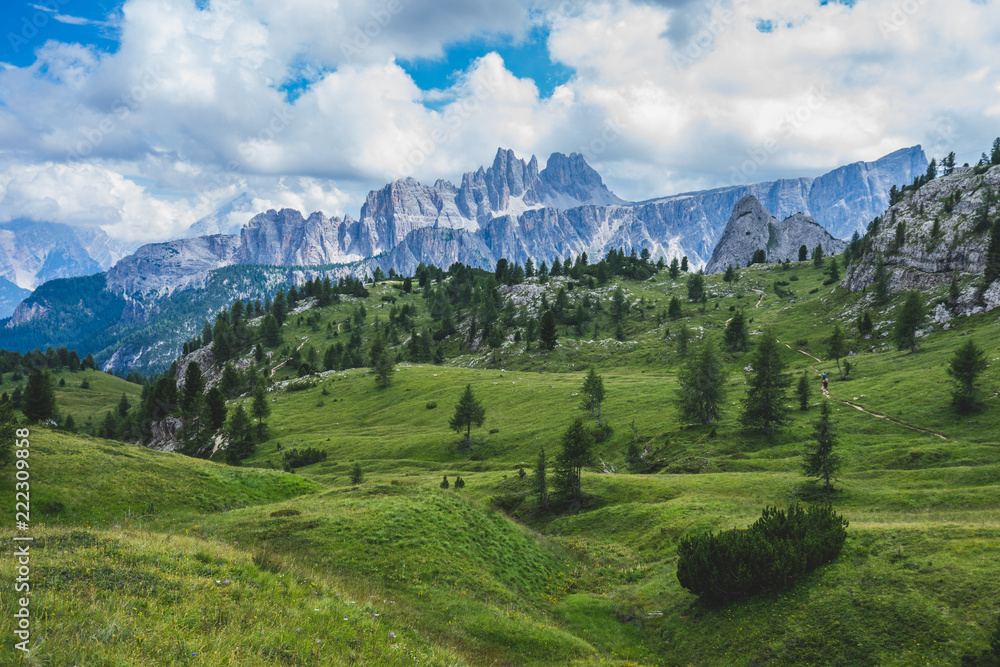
<point>158,269</point>
<point>751,228</point>
<point>927,260</point>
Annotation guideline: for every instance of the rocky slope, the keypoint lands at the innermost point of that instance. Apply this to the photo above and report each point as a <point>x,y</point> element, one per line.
<point>751,228</point>
<point>927,261</point>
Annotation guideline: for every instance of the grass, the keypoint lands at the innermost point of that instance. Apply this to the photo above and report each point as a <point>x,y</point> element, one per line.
<point>462,583</point>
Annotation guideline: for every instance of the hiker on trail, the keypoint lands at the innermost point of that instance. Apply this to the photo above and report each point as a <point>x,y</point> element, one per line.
<point>824,382</point>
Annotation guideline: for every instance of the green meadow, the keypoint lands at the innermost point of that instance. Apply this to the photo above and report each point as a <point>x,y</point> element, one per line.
<point>144,557</point>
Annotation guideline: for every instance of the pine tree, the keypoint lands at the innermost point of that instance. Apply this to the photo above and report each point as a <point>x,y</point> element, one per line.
<point>730,276</point>
<point>206,334</point>
<point>910,316</point>
<point>215,402</point>
<point>576,454</point>
<point>696,287</point>
<point>818,459</point>
<point>964,368</point>
<point>949,163</point>
<point>836,346</point>
<point>193,385</point>
<point>547,330</point>
<point>593,393</point>
<point>223,345</point>
<point>865,325</point>
<point>357,475</point>
<point>444,482</point>
<point>675,269</point>
<point>619,305</point>
<point>279,307</point>
<point>701,386</point>
<point>674,311</point>
<point>260,408</point>
<point>270,331</point>
<point>469,412</point>
<point>240,436</point>
<point>880,281</point>
<point>834,269</point>
<point>817,255</point>
<point>39,400</point>
<point>803,391</point>
<point>803,253</point>
<point>382,364</point>
<point>683,339</point>
<point>736,336</point>
<point>123,406</point>
<point>539,481</point>
<point>764,405</point>
<point>992,270</point>
<point>684,264</point>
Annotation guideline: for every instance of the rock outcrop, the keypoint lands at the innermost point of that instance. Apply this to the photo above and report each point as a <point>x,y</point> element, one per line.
<point>930,254</point>
<point>751,228</point>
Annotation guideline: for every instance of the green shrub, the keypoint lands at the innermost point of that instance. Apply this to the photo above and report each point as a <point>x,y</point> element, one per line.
<point>297,458</point>
<point>767,556</point>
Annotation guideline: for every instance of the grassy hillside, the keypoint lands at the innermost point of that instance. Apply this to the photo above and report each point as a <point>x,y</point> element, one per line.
<point>479,575</point>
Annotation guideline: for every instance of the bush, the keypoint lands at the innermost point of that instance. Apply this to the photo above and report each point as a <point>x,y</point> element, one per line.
<point>767,556</point>
<point>431,405</point>
<point>298,458</point>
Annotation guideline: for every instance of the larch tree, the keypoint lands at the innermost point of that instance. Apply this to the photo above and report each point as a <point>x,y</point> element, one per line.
<point>469,412</point>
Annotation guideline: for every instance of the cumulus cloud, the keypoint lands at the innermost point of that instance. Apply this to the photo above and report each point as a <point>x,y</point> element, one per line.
<point>305,104</point>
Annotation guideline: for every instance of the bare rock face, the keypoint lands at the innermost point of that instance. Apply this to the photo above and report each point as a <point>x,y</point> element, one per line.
<point>158,269</point>
<point>285,238</point>
<point>164,434</point>
<point>928,258</point>
<point>751,228</point>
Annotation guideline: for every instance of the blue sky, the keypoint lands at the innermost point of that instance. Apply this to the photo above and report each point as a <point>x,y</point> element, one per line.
<point>142,116</point>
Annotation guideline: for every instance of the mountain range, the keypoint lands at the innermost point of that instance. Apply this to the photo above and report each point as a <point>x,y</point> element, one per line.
<point>510,209</point>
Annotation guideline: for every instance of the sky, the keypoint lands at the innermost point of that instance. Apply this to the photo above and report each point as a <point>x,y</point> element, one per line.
<point>142,116</point>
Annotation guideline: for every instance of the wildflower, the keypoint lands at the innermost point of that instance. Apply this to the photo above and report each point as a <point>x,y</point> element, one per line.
<point>392,635</point>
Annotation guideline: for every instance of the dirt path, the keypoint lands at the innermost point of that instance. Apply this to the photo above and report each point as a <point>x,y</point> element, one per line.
<point>860,408</point>
<point>802,352</point>
<point>761,299</point>
<point>275,369</point>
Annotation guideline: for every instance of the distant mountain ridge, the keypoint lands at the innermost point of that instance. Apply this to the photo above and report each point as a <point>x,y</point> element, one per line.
<point>32,253</point>
<point>510,209</point>
<point>751,228</point>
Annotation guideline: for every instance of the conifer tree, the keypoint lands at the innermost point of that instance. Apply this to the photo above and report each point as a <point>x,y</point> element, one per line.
<point>193,385</point>
<point>736,336</point>
<point>675,269</point>
<point>674,311</point>
<point>817,255</point>
<point>696,287</point>
<point>39,400</point>
<point>803,391</point>
<point>260,407</point>
<point>279,307</point>
<point>684,264</point>
<point>382,364</point>
<point>123,406</point>
<point>593,393</point>
<point>910,316</point>
<point>701,386</point>
<point>357,474</point>
<point>240,436</point>
<point>764,405</point>
<point>730,276</point>
<point>964,368</point>
<point>803,253</point>
<point>215,403</point>
<point>683,339</point>
<point>880,281</point>
<point>469,412</point>
<point>819,460</point>
<point>577,453</point>
<point>547,330</point>
<point>539,481</point>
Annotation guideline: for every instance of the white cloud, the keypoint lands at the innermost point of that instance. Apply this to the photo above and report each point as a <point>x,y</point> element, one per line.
<point>667,96</point>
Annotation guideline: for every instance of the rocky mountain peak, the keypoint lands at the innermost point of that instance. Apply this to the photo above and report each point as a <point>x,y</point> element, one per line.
<point>752,228</point>
<point>574,178</point>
